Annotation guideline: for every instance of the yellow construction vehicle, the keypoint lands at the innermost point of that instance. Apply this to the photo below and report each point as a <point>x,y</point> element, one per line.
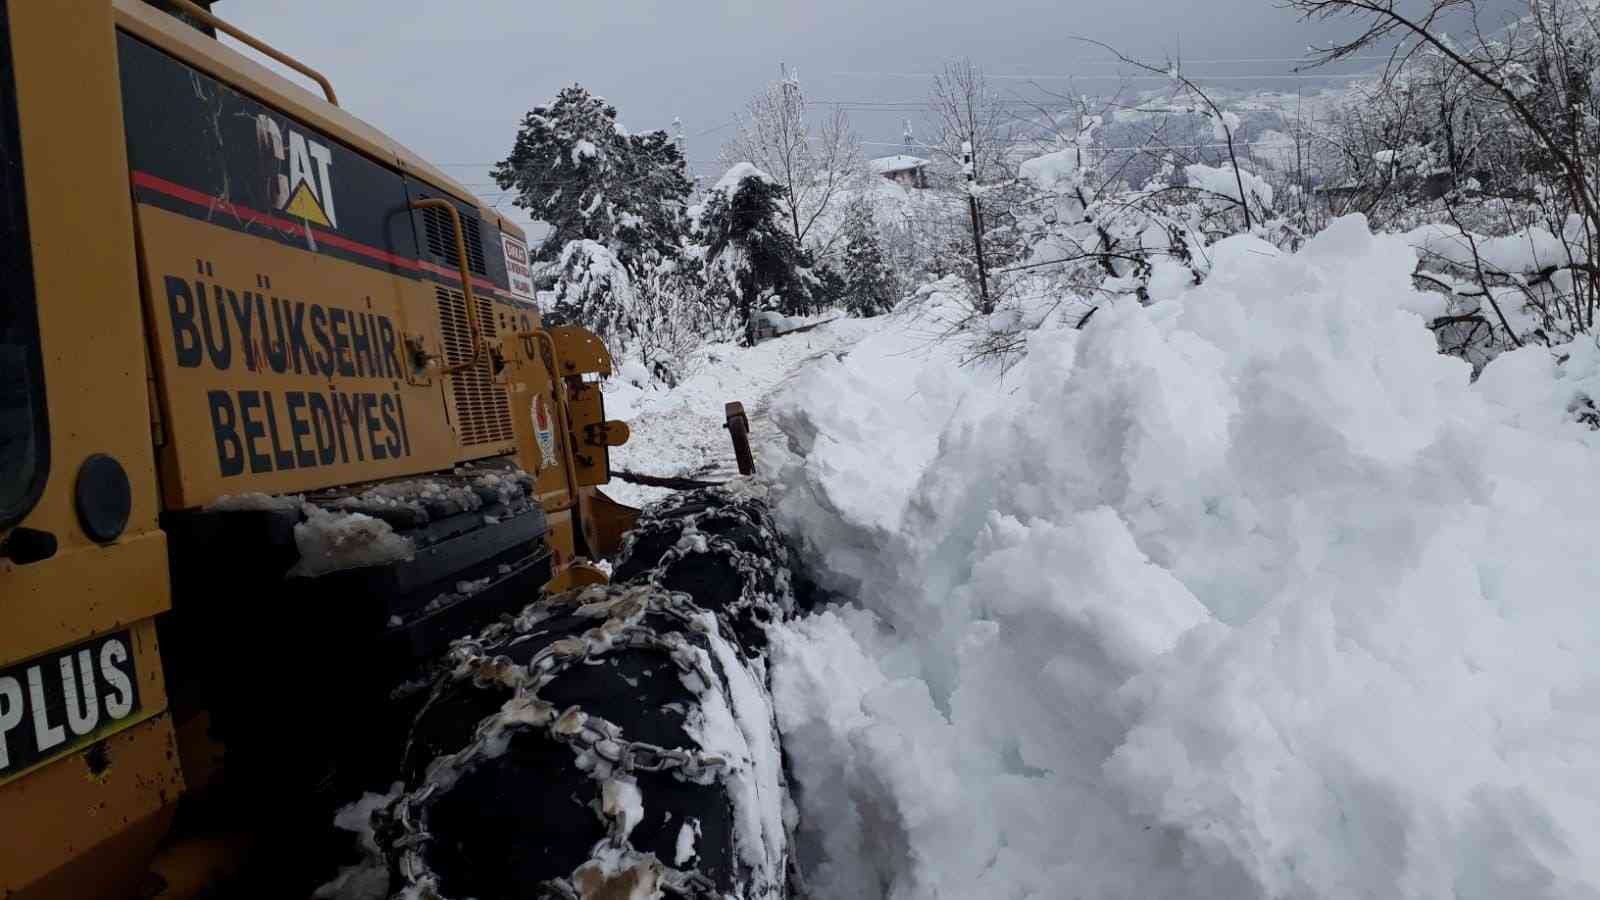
<point>237,321</point>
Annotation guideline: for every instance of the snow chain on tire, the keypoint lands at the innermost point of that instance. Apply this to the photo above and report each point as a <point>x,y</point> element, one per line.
<point>721,547</point>
<point>613,741</point>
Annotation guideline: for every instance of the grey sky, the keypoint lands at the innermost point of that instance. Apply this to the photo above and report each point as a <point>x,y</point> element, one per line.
<point>451,80</point>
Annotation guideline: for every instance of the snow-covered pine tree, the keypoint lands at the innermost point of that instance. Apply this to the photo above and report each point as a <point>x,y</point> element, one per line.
<point>870,285</point>
<point>750,258</point>
<point>655,189</point>
<point>573,167</point>
<point>830,287</point>
<point>617,206</point>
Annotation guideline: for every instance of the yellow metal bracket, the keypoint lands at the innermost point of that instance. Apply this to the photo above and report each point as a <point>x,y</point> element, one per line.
<point>479,345</point>
<point>613,433</point>
<point>200,15</point>
<point>580,573</point>
<point>580,352</point>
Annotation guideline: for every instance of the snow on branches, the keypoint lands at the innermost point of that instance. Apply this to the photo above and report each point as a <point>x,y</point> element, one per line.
<point>575,168</point>
<point>751,258</point>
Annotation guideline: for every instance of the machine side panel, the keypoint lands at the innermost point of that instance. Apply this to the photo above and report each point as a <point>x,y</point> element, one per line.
<point>282,286</point>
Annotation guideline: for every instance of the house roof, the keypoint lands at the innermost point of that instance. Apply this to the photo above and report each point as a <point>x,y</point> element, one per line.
<point>900,163</point>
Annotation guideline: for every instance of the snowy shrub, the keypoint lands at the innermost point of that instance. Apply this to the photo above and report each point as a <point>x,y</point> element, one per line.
<point>1234,186</point>
<point>657,317</point>
<point>674,316</point>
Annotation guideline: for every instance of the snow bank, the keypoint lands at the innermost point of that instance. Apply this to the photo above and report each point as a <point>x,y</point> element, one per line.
<point>679,432</point>
<point>1247,594</point>
<point>867,424</point>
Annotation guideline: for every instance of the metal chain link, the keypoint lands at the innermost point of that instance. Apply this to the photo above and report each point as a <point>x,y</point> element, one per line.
<point>593,738</point>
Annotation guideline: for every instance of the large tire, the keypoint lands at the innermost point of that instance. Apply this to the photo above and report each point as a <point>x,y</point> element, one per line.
<point>614,741</point>
<point>720,546</point>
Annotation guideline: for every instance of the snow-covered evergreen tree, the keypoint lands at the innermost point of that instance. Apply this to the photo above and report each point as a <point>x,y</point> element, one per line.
<point>870,286</point>
<point>593,288</point>
<point>829,290</point>
<point>617,206</point>
<point>750,258</point>
<point>573,167</point>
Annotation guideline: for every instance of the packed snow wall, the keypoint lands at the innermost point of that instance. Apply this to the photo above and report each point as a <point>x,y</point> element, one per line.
<point>1248,593</point>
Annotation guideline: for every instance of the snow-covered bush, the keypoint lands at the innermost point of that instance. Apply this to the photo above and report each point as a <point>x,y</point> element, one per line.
<point>1231,187</point>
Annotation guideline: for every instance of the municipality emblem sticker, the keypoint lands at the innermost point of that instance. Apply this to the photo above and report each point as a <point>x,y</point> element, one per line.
<point>544,432</point>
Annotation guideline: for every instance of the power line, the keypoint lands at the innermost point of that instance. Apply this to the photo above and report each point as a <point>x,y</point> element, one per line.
<point>732,121</point>
<point>919,105</point>
<point>1300,60</point>
<point>1107,77</point>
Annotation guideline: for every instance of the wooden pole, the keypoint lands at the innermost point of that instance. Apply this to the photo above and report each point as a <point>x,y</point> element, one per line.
<point>977,226</point>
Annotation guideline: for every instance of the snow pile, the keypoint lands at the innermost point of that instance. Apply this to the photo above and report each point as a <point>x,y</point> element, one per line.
<point>256,502</point>
<point>866,425</point>
<point>1246,594</point>
<point>679,432</point>
<point>414,496</point>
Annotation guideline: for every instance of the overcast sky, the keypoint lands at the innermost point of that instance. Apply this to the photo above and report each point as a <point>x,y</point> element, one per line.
<point>451,80</point>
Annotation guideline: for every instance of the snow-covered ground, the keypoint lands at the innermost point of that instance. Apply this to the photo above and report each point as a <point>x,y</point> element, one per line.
<point>1247,594</point>
<point>679,432</point>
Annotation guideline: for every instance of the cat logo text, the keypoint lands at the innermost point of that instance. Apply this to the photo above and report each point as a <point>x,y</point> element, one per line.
<point>300,171</point>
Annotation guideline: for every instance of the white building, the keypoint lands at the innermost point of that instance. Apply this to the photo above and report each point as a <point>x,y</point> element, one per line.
<point>907,171</point>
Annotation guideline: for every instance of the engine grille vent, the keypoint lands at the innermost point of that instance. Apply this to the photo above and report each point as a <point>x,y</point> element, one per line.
<point>483,411</point>
<point>441,238</point>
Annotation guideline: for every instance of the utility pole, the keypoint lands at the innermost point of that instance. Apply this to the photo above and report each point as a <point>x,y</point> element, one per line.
<point>970,171</point>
